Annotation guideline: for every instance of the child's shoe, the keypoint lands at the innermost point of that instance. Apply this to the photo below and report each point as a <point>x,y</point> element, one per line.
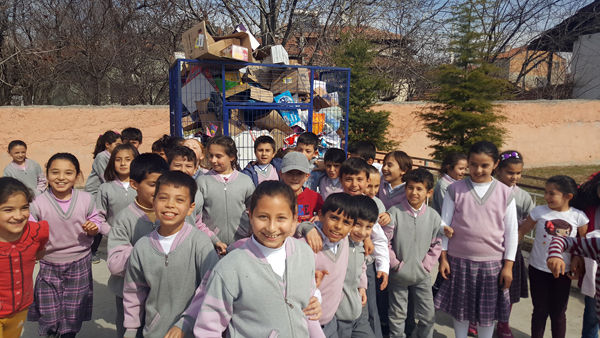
<point>503,330</point>
<point>472,330</point>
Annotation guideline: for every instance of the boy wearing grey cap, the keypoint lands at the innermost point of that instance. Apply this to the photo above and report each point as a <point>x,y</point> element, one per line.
<point>295,170</point>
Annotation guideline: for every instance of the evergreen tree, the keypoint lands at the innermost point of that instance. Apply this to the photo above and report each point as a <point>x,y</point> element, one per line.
<point>365,124</point>
<point>463,110</point>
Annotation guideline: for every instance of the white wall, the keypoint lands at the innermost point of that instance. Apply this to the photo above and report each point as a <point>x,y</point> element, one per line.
<point>586,67</point>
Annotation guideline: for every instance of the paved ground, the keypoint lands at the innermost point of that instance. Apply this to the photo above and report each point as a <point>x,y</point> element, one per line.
<point>102,323</point>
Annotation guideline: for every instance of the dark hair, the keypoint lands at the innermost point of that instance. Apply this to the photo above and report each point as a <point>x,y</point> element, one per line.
<point>308,138</point>
<point>10,186</point>
<point>159,145</point>
<point>110,173</point>
<point>178,179</point>
<point>108,137</point>
<point>183,151</point>
<point>510,157</point>
<point>64,156</point>
<point>171,142</point>
<point>372,170</point>
<point>265,139</point>
<point>587,194</point>
<point>230,149</point>
<point>334,155</point>
<point>131,134</point>
<point>485,147</point>
<point>404,161</point>
<point>363,149</point>
<point>451,160</point>
<point>15,143</point>
<point>367,208</point>
<point>419,175</point>
<point>354,166</point>
<point>146,164</point>
<point>564,184</point>
<point>340,202</point>
<point>272,189</point>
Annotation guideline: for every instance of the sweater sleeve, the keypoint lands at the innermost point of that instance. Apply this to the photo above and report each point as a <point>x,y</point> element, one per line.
<point>119,249</point>
<point>135,292</point>
<point>96,217</point>
<point>42,183</point>
<point>102,202</point>
<point>447,214</point>
<point>216,309</point>
<point>587,247</point>
<point>199,207</point>
<point>303,228</point>
<point>381,252</point>
<point>511,231</point>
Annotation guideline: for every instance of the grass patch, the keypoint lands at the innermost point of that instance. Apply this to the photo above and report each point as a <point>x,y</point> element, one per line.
<point>580,173</point>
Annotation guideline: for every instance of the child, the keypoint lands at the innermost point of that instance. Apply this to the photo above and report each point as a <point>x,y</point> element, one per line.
<point>483,215</point>
<point>115,194</point>
<point>283,279</point>
<point>509,172</point>
<point>225,194</point>
<point>104,147</point>
<point>365,150</point>
<point>352,314</point>
<point>373,183</point>
<point>166,266</point>
<point>132,136</point>
<point>549,295</point>
<point>158,147</point>
<point>308,144</point>
<point>25,170</point>
<point>21,243</point>
<point>295,170</point>
<point>391,191</point>
<point>265,168</point>
<point>330,183</point>
<point>183,159</point>
<point>453,169</point>
<point>134,222</point>
<point>198,149</point>
<point>416,242</point>
<point>63,287</point>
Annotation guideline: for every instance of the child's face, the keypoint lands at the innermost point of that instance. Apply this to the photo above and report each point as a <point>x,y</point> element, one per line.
<point>123,162</point>
<point>62,175</point>
<point>556,200</point>
<point>354,184</point>
<point>18,154</point>
<point>172,204</point>
<point>481,167</point>
<point>510,174</point>
<point>391,171</point>
<point>272,221</point>
<point>332,169</point>
<point>264,153</point>
<point>458,171</point>
<point>134,143</point>
<point>336,225</point>
<point>295,179</point>
<point>417,193</point>
<point>220,161</point>
<point>307,149</point>
<point>184,165</point>
<point>373,184</point>
<point>146,189</point>
<point>161,153</point>
<point>14,214</point>
<point>193,144</point>
<point>362,229</point>
<point>111,146</point>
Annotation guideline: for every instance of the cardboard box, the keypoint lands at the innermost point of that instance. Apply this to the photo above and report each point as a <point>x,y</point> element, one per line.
<point>259,75</point>
<point>297,81</point>
<point>320,87</point>
<point>277,55</point>
<point>199,44</point>
<point>247,92</point>
<point>320,103</point>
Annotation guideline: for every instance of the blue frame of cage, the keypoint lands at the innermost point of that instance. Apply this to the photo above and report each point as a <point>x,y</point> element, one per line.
<point>176,103</point>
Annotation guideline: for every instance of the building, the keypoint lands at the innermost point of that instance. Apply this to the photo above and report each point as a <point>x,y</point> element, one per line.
<point>531,69</point>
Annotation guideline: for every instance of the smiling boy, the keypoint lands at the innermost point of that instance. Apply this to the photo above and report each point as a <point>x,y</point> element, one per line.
<point>295,170</point>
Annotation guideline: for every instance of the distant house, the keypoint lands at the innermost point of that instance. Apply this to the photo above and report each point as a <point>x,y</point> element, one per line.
<point>531,69</point>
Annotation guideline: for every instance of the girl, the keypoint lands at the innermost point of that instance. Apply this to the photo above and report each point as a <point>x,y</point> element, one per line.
<point>453,169</point>
<point>63,287</point>
<point>21,243</point>
<point>509,172</point>
<point>549,295</point>
<point>225,193</point>
<point>482,249</point>
<point>283,280</point>
<point>104,146</point>
<point>115,194</point>
<point>198,149</point>
<point>391,190</point>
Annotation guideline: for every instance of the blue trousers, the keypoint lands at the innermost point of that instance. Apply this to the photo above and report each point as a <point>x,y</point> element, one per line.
<point>590,319</point>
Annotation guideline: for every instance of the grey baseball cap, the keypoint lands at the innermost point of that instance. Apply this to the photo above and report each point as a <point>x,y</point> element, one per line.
<point>295,161</point>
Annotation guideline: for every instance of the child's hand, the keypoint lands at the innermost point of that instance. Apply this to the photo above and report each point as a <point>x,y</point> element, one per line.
<point>221,248</point>
<point>384,280</point>
<point>363,296</point>
<point>313,310</point>
<point>174,332</point>
<point>577,267</point>
<point>40,254</point>
<point>369,246</point>
<point>444,266</point>
<point>314,240</point>
<point>90,228</point>
<point>314,219</point>
<point>448,231</point>
<point>384,219</point>
<point>319,275</point>
<point>506,276</point>
<point>556,266</point>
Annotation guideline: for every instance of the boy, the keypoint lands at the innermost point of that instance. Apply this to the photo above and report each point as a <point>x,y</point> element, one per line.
<point>416,242</point>
<point>132,136</point>
<point>158,147</point>
<point>266,167</point>
<point>352,314</point>
<point>330,183</point>
<point>131,224</point>
<point>308,144</point>
<point>25,170</point>
<point>373,183</point>
<point>183,159</point>
<point>295,170</point>
<point>166,266</point>
<point>365,150</point>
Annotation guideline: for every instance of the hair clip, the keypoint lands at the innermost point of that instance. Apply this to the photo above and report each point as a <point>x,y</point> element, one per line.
<point>509,155</point>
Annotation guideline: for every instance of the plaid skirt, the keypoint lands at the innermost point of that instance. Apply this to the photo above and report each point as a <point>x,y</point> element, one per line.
<point>62,297</point>
<point>518,288</point>
<point>473,292</point>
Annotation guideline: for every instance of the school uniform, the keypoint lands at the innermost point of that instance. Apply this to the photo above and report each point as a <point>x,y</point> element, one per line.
<point>96,177</point>
<point>389,195</point>
<point>519,288</point>
<point>328,186</point>
<point>259,173</point>
<point>30,173</point>
<point>439,191</point>
<point>112,197</point>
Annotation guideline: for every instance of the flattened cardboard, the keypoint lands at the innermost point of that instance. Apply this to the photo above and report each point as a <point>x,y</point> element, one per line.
<point>254,93</point>
<point>297,81</point>
<point>199,44</point>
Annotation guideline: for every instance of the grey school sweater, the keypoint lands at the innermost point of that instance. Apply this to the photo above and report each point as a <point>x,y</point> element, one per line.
<point>440,191</point>
<point>350,307</point>
<point>112,197</point>
<point>160,286</point>
<point>97,174</point>
<point>523,202</point>
<point>32,175</point>
<point>224,205</point>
